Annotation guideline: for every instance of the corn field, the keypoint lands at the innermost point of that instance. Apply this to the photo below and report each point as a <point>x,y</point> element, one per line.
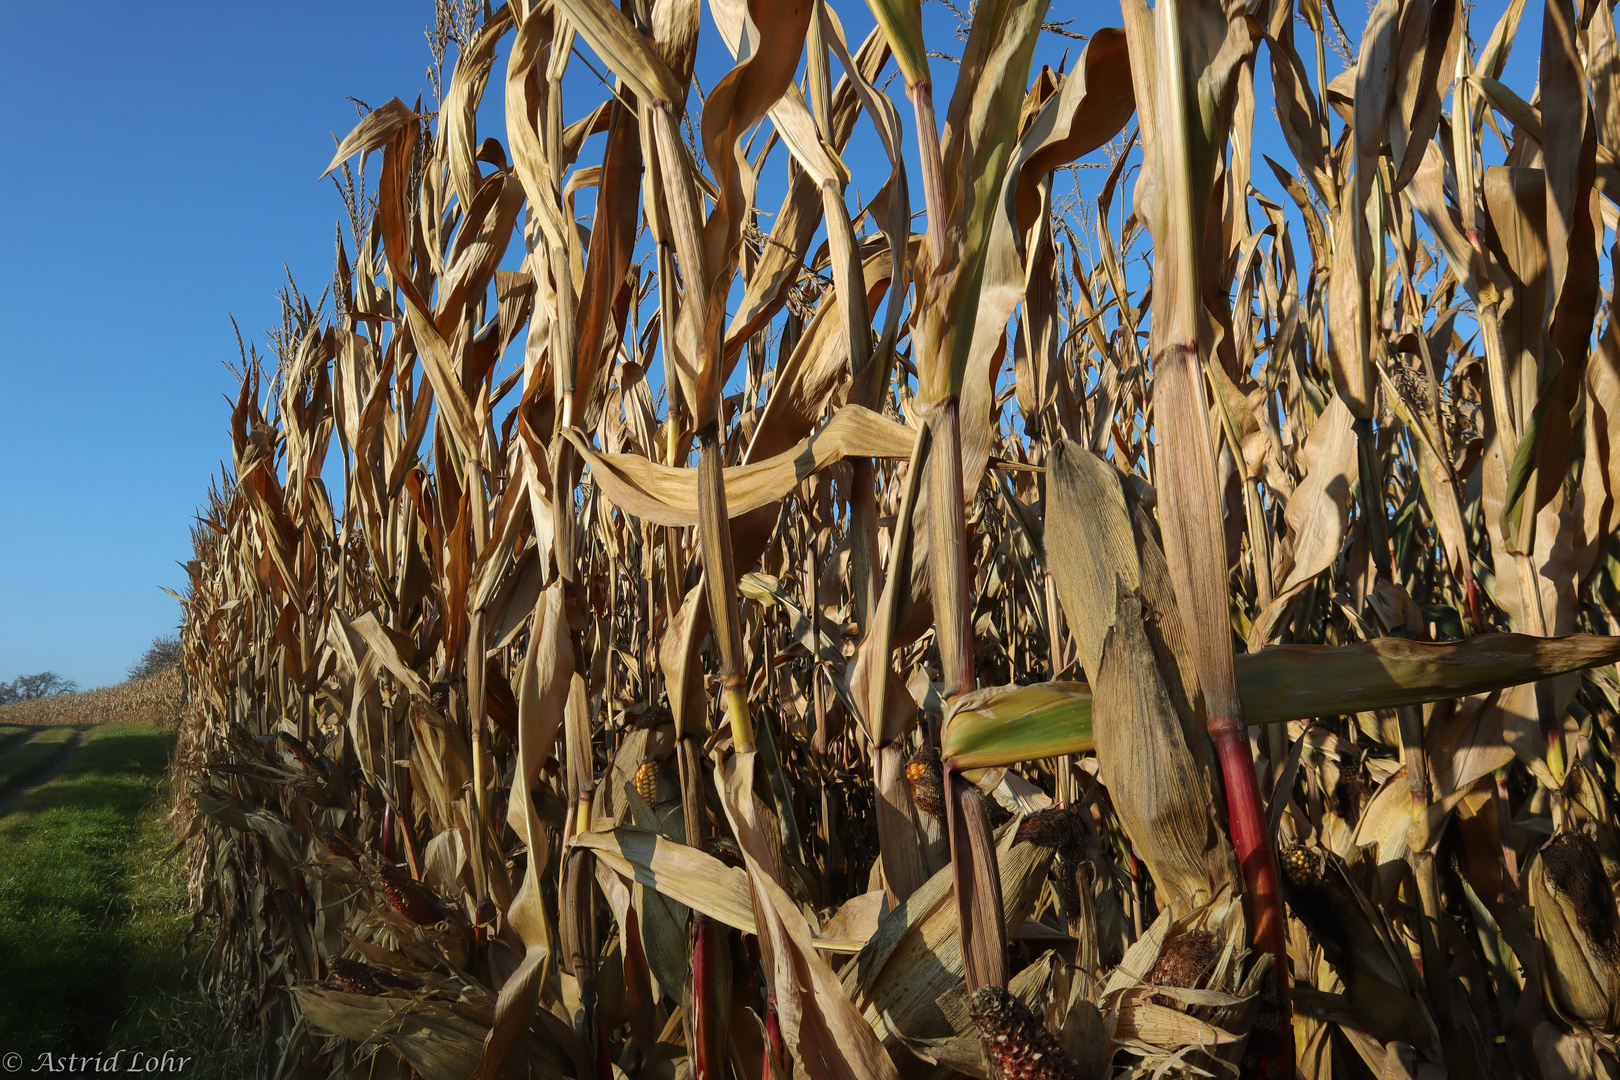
<point>157,700</point>
<point>1165,631</point>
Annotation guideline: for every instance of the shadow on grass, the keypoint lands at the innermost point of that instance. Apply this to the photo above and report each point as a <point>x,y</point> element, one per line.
<point>31,760</point>
<point>92,915</point>
<point>12,734</point>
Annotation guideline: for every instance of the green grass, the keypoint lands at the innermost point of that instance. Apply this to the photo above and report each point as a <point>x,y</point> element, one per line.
<point>22,763</point>
<point>92,915</point>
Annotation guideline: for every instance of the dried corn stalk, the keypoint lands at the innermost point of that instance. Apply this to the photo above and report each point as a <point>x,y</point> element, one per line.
<point>533,745</point>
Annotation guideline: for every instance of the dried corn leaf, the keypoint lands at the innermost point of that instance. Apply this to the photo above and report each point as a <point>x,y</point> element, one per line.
<point>438,1042</point>
<point>664,495</point>
<point>819,1023</point>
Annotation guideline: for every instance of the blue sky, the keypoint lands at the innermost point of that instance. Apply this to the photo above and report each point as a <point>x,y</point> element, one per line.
<point>162,170</point>
<point>162,179</point>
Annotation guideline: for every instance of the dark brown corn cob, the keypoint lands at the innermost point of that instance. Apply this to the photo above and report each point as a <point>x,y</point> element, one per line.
<point>726,850</point>
<point>1015,1039</point>
<point>340,845</point>
<point>1574,870</point>
<point>1185,960</point>
<point>295,746</point>
<point>409,897</point>
<point>925,776</point>
<point>359,977</point>
<point>354,975</point>
<point>1057,827</point>
<point>1064,829</point>
<point>1578,932</point>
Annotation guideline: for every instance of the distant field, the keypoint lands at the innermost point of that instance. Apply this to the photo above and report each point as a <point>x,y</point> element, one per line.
<point>92,913</point>
<point>143,701</point>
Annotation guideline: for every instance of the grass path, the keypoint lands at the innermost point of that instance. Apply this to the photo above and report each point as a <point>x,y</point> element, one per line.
<point>91,912</point>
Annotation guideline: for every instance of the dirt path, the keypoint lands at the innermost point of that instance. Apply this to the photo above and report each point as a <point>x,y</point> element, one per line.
<point>68,750</point>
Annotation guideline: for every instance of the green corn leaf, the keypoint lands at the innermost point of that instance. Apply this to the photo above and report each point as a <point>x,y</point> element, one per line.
<point>1007,724</point>
<point>1004,725</point>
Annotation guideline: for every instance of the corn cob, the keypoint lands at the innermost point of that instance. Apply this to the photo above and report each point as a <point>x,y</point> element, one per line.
<point>647,781</point>
<point>1578,933</point>
<point>340,845</point>
<point>1184,961</point>
<point>301,752</point>
<point>359,977</point>
<point>1015,1039</point>
<point>354,975</point>
<point>1057,827</point>
<point>408,896</point>
<point>925,777</point>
